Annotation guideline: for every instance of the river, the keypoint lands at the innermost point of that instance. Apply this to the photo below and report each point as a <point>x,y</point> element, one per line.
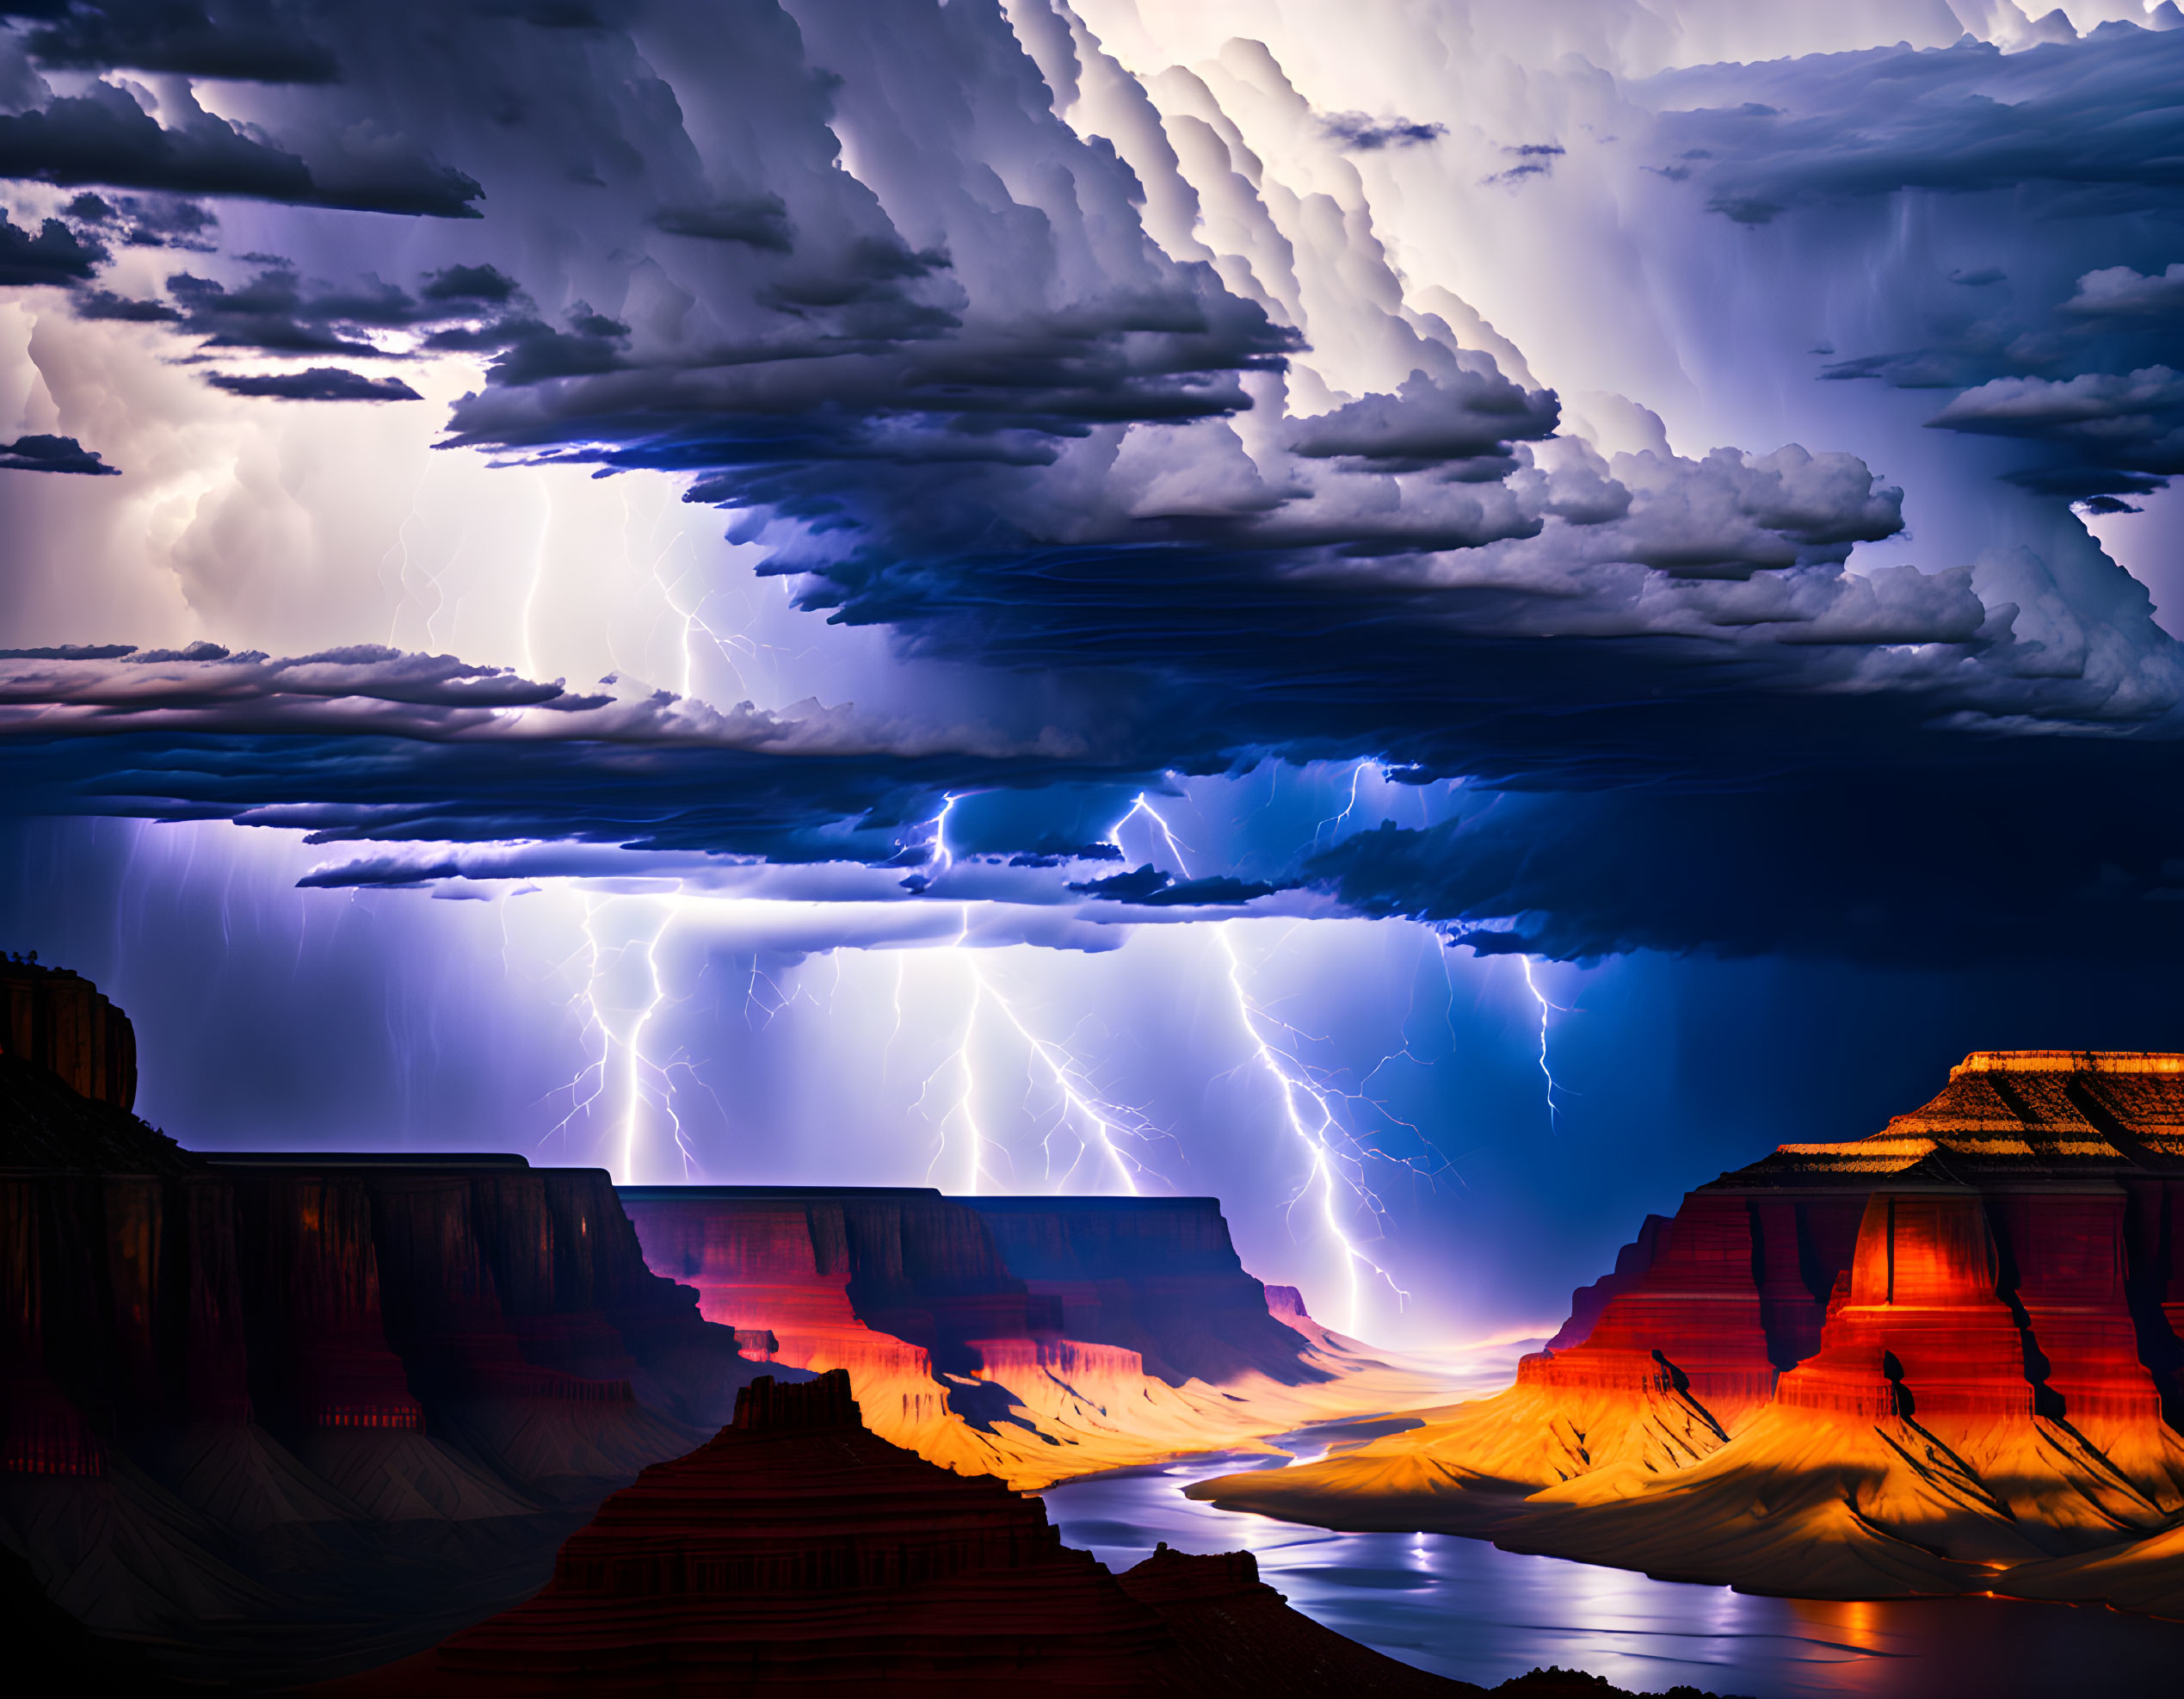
<point>1463,1608</point>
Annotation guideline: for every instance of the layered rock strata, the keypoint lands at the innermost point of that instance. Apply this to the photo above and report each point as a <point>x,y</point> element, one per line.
<point>55,1020</point>
<point>799,1551</point>
<point>1929,1361</point>
<point>1033,1338</point>
<point>243,1392</point>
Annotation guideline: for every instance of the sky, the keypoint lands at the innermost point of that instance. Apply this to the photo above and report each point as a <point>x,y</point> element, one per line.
<point>1439,620</point>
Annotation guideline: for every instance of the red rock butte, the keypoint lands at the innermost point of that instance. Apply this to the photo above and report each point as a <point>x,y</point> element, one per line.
<point>52,1018</point>
<point>1902,1363</point>
<point>798,1550</point>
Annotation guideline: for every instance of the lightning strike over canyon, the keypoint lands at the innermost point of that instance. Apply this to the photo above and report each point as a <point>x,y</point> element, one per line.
<point>1307,1110</point>
<point>905,622</point>
<point>1554,1109</point>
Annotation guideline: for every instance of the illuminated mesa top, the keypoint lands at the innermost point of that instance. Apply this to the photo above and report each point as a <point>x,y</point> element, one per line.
<point>2013,1114</point>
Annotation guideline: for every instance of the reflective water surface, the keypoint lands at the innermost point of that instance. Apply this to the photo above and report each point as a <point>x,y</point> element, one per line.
<point>1466,1609</point>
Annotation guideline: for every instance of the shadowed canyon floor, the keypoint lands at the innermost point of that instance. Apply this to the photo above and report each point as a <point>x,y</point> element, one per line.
<point>1942,1360</point>
<point>799,1551</point>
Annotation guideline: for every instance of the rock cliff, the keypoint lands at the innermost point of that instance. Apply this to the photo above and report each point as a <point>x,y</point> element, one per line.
<point>1940,1359</point>
<point>1033,1338</point>
<point>1157,1275</point>
<point>269,1414</point>
<point>54,1019</point>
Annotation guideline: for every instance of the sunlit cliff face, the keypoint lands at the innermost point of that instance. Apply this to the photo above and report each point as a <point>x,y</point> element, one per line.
<point>1020,597</point>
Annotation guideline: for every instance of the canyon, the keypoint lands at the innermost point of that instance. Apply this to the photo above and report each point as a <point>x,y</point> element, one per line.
<point>271,1417</point>
<point>1032,1339</point>
<point>1942,1359</point>
<point>278,1417</point>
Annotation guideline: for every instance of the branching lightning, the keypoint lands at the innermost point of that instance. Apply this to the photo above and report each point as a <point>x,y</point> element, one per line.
<point>645,1085</point>
<point>1308,1102</point>
<point>1100,1124</point>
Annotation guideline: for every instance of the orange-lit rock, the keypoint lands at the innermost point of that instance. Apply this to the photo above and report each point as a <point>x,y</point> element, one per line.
<point>1982,1389</point>
<point>1032,1338</point>
<point>56,1020</point>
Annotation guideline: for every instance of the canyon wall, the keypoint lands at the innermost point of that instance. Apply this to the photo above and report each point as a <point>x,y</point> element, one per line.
<point>54,1019</point>
<point>1035,1338</point>
<point>1157,1275</point>
<point>226,1389</point>
<point>244,1391</point>
<point>1908,1363</point>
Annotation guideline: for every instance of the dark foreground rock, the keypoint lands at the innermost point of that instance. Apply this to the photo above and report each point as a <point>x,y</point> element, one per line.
<point>798,1551</point>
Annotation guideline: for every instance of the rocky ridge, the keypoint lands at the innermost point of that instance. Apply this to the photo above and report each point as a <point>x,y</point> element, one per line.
<point>1032,1338</point>
<point>1942,1359</point>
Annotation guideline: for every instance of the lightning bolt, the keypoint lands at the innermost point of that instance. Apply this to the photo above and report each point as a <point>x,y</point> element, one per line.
<point>1100,1124</point>
<point>965,1109</point>
<point>1334,820</point>
<point>1308,1109</point>
<point>1554,1110</point>
<point>645,1086</point>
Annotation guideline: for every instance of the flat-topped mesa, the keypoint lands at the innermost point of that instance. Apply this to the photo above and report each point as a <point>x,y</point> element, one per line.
<point>2067,1167</point>
<point>1854,1369</point>
<point>1029,1338</point>
<point>2013,1116</point>
<point>836,1262</point>
<point>1157,1275</point>
<point>770,1406</point>
<point>51,1017</point>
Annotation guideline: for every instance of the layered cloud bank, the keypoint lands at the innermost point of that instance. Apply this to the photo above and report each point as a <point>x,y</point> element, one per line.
<point>1137,385</point>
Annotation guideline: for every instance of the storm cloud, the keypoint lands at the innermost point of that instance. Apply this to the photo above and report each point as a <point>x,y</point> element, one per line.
<point>1106,398</point>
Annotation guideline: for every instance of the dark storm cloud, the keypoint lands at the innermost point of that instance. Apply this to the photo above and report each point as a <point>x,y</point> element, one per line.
<point>125,309</point>
<point>958,391</point>
<point>1148,886</point>
<point>760,222</point>
<point>465,284</point>
<point>102,137</point>
<point>1363,134</point>
<point>2089,126</point>
<point>53,453</point>
<point>55,255</point>
<point>2087,135</point>
<point>1718,818</point>
<point>1869,864</point>
<point>1425,422</point>
<point>374,743</point>
<point>279,312</point>
<point>320,383</point>
<point>242,40</point>
<point>148,221</point>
